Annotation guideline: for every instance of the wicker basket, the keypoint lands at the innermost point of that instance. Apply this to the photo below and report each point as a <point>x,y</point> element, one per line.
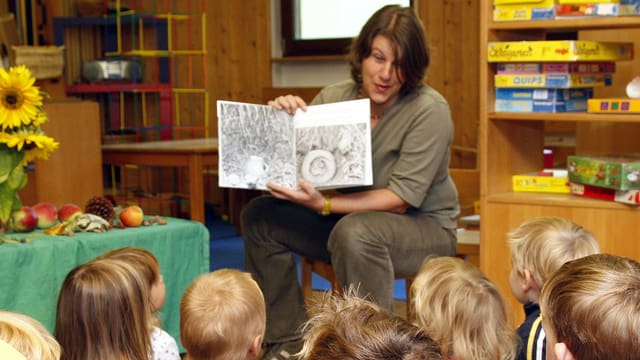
<point>45,62</point>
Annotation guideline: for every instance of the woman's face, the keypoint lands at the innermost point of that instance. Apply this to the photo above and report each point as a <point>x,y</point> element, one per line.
<point>381,78</point>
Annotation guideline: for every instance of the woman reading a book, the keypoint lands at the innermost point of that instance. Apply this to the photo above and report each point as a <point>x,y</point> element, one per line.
<point>371,234</point>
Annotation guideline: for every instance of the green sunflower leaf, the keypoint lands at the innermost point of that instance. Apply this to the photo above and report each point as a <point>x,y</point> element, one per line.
<point>9,201</point>
<point>9,160</point>
<point>17,178</point>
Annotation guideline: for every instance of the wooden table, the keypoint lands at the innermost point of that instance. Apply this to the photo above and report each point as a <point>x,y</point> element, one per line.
<point>193,154</point>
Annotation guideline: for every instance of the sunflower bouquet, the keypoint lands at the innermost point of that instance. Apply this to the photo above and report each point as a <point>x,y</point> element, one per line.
<point>21,138</point>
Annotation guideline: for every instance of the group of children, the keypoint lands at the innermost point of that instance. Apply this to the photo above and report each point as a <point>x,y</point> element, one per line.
<point>579,304</point>
<point>107,310</point>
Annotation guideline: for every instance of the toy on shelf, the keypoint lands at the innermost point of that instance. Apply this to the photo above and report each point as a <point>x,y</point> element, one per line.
<point>612,172</point>
<point>547,181</point>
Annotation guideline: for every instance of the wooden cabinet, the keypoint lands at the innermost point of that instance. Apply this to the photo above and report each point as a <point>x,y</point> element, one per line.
<point>73,173</point>
<point>512,143</point>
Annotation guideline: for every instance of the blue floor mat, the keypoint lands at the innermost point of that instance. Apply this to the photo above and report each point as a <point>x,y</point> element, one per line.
<point>226,250</point>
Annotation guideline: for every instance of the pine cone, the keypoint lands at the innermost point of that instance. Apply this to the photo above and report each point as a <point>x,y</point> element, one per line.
<point>100,206</point>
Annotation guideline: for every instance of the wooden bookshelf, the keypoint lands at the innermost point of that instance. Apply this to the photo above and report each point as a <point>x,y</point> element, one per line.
<point>513,143</point>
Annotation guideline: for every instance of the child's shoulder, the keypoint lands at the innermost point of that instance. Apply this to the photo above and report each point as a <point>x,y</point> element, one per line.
<point>164,345</point>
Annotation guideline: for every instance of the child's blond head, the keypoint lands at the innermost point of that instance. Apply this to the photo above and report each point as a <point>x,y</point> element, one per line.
<point>542,244</point>
<point>348,327</point>
<point>28,336</point>
<point>592,306</point>
<point>221,314</point>
<point>462,310</point>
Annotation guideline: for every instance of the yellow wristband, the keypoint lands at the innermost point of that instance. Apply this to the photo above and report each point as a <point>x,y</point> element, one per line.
<point>326,210</point>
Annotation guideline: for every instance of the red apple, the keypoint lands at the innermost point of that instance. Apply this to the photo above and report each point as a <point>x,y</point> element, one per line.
<point>132,216</point>
<point>24,219</point>
<point>47,214</point>
<point>68,212</point>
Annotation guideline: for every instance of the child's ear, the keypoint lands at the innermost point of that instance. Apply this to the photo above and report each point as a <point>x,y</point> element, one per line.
<point>562,352</point>
<point>530,286</point>
<point>530,281</point>
<point>256,345</point>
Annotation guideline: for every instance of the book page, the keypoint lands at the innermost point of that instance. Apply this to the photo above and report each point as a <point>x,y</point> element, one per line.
<point>256,146</point>
<point>328,145</point>
<point>333,144</point>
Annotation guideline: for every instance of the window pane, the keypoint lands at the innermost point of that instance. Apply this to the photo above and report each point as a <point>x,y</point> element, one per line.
<point>334,19</point>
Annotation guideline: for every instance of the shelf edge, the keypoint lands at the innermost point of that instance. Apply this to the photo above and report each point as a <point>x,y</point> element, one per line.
<point>558,200</point>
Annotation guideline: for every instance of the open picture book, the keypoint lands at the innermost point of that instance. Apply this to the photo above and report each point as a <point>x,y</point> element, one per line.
<point>328,145</point>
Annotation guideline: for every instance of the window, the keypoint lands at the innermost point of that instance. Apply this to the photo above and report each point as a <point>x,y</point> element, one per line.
<point>313,27</point>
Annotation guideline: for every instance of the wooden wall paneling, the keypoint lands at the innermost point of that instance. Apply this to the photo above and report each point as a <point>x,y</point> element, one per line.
<point>239,50</point>
<point>306,93</point>
<point>239,66</point>
<point>452,30</point>
<point>432,15</point>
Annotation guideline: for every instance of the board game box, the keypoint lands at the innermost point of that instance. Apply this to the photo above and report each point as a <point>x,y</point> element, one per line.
<point>614,106</point>
<point>543,93</point>
<point>608,171</point>
<point>576,67</point>
<point>559,50</point>
<point>504,105</point>
<point>514,10</point>
<point>631,197</point>
<point>549,181</point>
<point>552,81</point>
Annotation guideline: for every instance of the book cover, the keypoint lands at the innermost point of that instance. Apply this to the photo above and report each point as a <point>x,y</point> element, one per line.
<point>329,145</point>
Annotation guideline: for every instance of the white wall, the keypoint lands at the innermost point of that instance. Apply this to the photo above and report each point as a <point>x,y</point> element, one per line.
<point>300,74</point>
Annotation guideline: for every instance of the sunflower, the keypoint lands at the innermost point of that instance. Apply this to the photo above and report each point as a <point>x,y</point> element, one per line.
<point>32,140</point>
<point>20,101</point>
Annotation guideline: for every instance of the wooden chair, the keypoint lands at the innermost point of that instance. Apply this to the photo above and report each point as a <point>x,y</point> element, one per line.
<point>324,270</point>
<point>468,184</point>
<point>468,247</point>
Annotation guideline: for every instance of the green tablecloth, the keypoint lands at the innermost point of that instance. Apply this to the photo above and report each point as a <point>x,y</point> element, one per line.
<point>31,274</point>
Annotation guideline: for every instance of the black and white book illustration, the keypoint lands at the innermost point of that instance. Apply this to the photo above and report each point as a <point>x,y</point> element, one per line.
<point>328,145</point>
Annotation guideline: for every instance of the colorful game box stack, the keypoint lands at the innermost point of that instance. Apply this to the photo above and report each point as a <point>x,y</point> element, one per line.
<point>612,178</point>
<point>516,10</point>
<point>586,8</point>
<point>552,76</point>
